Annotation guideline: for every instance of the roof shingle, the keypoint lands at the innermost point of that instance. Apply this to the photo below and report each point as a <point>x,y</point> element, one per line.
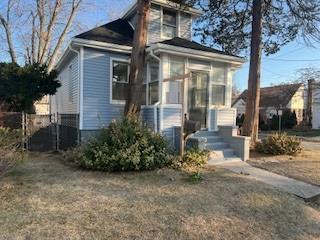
<point>117,32</point>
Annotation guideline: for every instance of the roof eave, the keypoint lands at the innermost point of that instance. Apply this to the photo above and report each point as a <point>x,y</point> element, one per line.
<point>102,45</point>
<point>160,47</point>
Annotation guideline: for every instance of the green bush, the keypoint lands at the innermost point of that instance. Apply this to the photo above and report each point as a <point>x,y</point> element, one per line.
<point>193,158</point>
<point>126,145</point>
<point>280,143</point>
<point>11,152</point>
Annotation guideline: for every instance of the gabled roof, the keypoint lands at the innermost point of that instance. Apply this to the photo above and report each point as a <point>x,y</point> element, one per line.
<point>121,32</point>
<point>181,42</point>
<point>274,96</point>
<point>117,32</point>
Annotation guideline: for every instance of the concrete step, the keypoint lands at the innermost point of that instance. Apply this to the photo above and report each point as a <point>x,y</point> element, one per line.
<point>211,139</point>
<point>206,133</point>
<point>221,161</point>
<point>224,153</point>
<point>217,146</point>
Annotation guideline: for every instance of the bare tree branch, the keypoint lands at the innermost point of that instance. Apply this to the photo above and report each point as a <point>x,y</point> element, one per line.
<point>6,25</point>
<point>48,34</point>
<point>74,8</point>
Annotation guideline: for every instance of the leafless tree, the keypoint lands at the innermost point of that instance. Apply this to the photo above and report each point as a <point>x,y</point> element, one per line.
<point>46,24</point>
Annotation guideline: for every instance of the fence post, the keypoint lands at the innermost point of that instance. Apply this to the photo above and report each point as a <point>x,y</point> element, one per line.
<point>57,130</point>
<point>78,130</point>
<point>23,127</point>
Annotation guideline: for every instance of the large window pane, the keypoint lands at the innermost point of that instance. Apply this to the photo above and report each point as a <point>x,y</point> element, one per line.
<point>120,78</point>
<point>218,94</point>
<point>119,91</point>
<point>169,24</point>
<point>153,92</point>
<point>154,82</point>
<point>120,72</point>
<point>169,17</point>
<point>176,66</point>
<point>169,31</point>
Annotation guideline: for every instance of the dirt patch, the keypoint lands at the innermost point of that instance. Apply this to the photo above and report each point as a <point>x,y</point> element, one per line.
<point>304,166</point>
<point>45,199</point>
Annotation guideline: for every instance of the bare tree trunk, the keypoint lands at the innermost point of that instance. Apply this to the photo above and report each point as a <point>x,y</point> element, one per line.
<point>48,33</point>
<point>5,23</point>
<point>41,16</point>
<point>133,103</point>
<point>309,102</point>
<point>251,121</point>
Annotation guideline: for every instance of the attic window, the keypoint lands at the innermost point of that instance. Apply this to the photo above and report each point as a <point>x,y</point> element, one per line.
<point>169,24</point>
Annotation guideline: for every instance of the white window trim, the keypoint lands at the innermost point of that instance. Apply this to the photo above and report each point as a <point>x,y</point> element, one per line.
<point>117,102</point>
<point>176,26</point>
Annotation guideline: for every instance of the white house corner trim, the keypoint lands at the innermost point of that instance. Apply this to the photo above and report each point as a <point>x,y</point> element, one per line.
<point>81,89</point>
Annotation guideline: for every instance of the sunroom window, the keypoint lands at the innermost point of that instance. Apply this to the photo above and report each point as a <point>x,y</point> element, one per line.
<point>218,87</point>
<point>154,82</point>
<point>173,90</point>
<point>169,24</point>
<point>120,79</point>
<point>218,94</point>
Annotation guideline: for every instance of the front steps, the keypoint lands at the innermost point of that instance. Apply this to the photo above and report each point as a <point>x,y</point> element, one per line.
<point>220,152</point>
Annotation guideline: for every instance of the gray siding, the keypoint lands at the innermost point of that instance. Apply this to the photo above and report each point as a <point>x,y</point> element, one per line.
<point>60,102</point>
<point>147,115</point>
<point>171,119</point>
<point>154,32</point>
<point>222,117</point>
<point>185,26</point>
<point>97,109</point>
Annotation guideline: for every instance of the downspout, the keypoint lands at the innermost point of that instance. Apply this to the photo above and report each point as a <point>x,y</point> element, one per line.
<point>79,85</point>
<point>155,115</point>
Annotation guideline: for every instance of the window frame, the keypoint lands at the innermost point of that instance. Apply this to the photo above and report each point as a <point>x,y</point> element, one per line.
<point>121,60</point>
<point>176,26</point>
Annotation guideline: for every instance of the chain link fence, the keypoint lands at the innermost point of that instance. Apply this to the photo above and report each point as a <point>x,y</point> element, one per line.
<point>44,132</point>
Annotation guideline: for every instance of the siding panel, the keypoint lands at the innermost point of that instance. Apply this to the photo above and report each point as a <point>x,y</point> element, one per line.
<point>97,110</point>
<point>154,32</point>
<point>60,102</point>
<point>185,26</point>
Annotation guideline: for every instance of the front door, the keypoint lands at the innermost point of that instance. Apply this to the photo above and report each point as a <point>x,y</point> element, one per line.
<point>198,99</point>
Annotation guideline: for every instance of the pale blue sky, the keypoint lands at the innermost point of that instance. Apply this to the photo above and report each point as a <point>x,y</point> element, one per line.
<point>277,68</point>
<point>283,66</point>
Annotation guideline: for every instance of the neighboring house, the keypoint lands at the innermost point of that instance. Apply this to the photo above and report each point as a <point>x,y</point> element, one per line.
<point>272,99</point>
<point>316,106</point>
<point>94,74</point>
<point>42,106</point>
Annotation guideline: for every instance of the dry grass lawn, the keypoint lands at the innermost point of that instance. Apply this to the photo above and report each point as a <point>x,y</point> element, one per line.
<point>45,199</point>
<point>304,166</point>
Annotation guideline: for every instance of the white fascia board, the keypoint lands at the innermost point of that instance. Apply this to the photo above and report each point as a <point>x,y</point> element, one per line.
<point>193,11</point>
<point>198,54</point>
<point>102,45</point>
<point>62,58</point>
<point>93,44</point>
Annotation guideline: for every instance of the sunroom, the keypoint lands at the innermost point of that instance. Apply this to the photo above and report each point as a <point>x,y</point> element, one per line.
<point>205,79</point>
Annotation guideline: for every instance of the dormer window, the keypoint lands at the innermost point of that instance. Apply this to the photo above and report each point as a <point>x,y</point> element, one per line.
<point>169,24</point>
